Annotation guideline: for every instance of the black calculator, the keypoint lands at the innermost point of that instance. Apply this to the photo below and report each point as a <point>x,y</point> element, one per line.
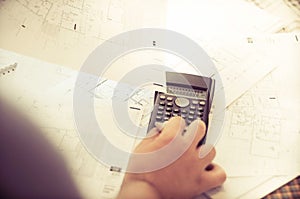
<point>189,96</point>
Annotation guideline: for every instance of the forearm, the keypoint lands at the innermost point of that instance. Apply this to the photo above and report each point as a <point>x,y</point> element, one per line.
<point>138,190</point>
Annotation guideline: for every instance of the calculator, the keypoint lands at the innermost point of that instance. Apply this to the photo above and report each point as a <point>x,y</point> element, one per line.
<point>189,96</point>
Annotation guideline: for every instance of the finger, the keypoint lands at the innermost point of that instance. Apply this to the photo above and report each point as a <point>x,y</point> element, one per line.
<point>213,177</point>
<point>195,131</point>
<point>148,140</point>
<point>208,158</point>
<point>172,128</point>
<point>206,150</point>
<point>160,126</point>
<point>152,134</point>
<point>161,136</point>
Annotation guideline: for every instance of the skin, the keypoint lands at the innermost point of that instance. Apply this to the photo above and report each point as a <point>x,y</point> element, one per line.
<point>186,177</point>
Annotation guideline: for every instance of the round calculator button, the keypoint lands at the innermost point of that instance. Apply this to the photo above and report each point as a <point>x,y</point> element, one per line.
<point>182,102</point>
<point>168,109</point>
<point>162,97</point>
<point>160,108</point>
<point>192,107</point>
<point>195,102</point>
<point>200,114</point>
<point>166,118</point>
<point>170,104</point>
<point>176,110</point>
<point>191,117</point>
<point>201,109</point>
<point>158,117</point>
<point>169,98</point>
<point>184,111</point>
<point>159,112</point>
<point>192,112</point>
<point>202,103</point>
<point>162,103</point>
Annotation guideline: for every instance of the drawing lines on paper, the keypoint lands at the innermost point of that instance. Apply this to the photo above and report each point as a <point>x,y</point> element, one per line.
<point>256,118</point>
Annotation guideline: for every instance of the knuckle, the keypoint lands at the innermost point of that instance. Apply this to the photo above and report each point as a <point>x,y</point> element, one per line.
<point>201,125</point>
<point>213,152</point>
<point>222,177</point>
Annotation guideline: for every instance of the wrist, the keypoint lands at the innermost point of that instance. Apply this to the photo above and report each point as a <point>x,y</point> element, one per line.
<point>138,189</point>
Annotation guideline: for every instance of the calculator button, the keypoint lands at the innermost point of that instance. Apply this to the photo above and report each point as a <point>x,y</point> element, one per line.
<point>168,109</point>
<point>162,97</point>
<point>166,118</point>
<point>182,102</point>
<point>159,112</point>
<point>176,110</point>
<point>158,117</point>
<point>192,107</point>
<point>183,111</point>
<point>183,116</point>
<point>191,117</point>
<point>160,108</point>
<point>162,103</point>
<point>170,104</point>
<point>169,98</point>
<point>200,114</point>
<point>202,103</point>
<point>195,102</point>
<point>201,109</point>
<point>192,112</point>
<point>174,114</point>
<point>168,114</point>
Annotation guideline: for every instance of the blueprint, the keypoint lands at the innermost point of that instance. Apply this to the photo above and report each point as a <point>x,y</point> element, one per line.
<point>256,126</point>
<point>44,103</point>
<point>260,84</point>
<point>256,122</point>
<point>66,31</point>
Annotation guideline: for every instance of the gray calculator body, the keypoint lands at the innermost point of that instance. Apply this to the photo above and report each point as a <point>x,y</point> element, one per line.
<point>188,96</point>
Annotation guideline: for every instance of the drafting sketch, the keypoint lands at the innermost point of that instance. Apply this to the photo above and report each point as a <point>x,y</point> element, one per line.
<point>239,70</point>
<point>253,134</point>
<point>49,105</point>
<point>93,179</point>
<point>254,123</point>
<point>289,10</point>
<point>65,32</point>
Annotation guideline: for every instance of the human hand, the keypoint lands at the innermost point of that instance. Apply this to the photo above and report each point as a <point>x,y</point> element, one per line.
<point>186,177</point>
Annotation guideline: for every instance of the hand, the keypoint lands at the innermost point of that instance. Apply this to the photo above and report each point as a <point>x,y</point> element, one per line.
<point>186,177</point>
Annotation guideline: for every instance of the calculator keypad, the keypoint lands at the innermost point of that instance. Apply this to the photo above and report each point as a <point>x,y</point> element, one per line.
<point>168,105</point>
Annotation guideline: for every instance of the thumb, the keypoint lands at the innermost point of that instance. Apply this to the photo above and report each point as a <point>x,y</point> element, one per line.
<point>214,177</point>
<point>195,131</point>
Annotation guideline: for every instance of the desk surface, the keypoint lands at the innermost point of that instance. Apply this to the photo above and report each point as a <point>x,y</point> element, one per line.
<point>289,190</point>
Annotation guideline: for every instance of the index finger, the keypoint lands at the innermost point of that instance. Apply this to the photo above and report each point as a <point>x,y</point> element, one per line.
<point>172,128</point>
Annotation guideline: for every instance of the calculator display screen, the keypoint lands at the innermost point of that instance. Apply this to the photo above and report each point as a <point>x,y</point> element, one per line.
<point>180,91</point>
